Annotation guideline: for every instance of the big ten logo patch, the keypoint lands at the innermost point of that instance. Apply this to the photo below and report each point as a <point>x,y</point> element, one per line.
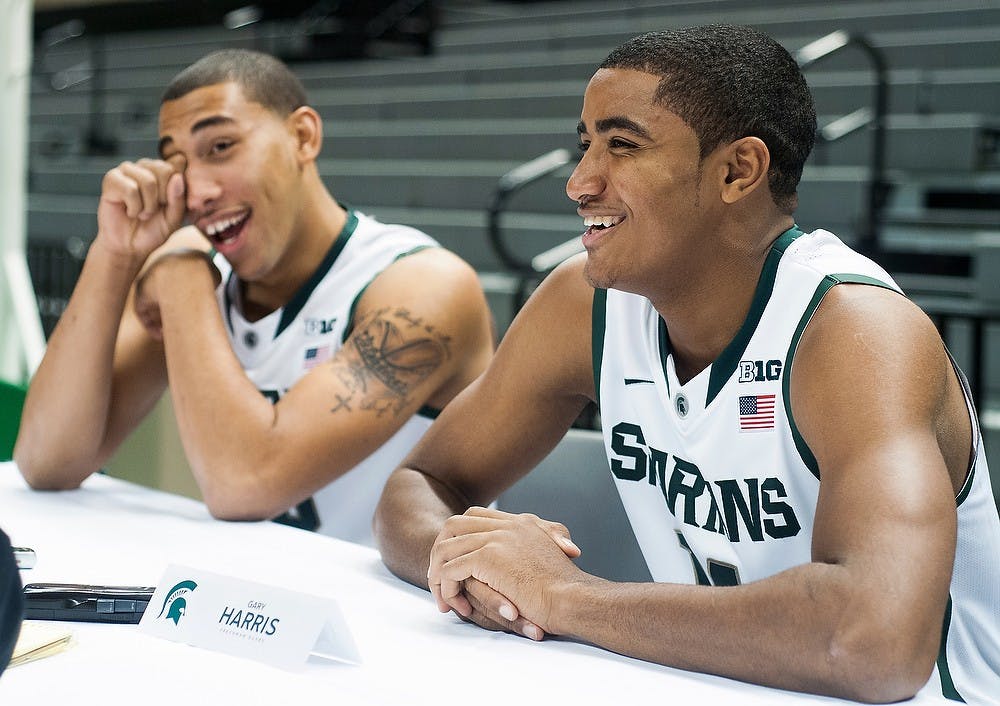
<point>759,370</point>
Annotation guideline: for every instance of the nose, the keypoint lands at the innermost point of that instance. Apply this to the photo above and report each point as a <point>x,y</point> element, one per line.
<point>586,181</point>
<point>203,189</point>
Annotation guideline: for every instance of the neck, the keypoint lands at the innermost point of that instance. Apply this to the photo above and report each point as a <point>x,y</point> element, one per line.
<point>318,224</point>
<point>704,315</point>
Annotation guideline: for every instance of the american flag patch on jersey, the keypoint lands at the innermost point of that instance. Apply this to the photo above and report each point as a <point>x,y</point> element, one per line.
<point>315,356</point>
<point>756,412</point>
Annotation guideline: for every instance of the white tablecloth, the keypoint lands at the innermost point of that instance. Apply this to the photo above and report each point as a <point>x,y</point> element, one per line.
<point>112,532</point>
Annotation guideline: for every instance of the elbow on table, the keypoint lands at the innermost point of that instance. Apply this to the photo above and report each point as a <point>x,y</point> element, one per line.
<point>882,669</point>
<point>42,473</point>
<point>243,505</point>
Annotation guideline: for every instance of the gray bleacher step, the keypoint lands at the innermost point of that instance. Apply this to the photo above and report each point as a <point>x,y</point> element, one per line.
<point>925,49</point>
<point>501,17</point>
<point>52,218</point>
<point>913,91</point>
<point>527,33</point>
<point>828,194</point>
<point>944,142</point>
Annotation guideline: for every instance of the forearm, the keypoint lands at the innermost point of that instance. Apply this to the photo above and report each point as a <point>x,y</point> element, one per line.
<point>408,519</point>
<point>65,421</point>
<point>807,629</point>
<point>223,420</point>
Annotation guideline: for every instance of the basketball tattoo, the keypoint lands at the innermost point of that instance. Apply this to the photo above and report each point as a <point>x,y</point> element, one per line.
<point>389,355</point>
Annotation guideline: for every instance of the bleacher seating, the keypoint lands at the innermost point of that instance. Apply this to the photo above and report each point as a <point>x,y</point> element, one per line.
<point>423,140</point>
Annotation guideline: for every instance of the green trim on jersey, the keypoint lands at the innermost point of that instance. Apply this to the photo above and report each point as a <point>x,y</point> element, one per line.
<point>598,323</point>
<point>429,412</point>
<point>665,350</point>
<point>825,286</point>
<point>977,432</point>
<point>948,689</point>
<point>349,328</point>
<point>725,365</point>
<point>293,307</point>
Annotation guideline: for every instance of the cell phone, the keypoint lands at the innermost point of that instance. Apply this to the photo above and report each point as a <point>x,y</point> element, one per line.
<point>86,603</point>
<point>24,557</point>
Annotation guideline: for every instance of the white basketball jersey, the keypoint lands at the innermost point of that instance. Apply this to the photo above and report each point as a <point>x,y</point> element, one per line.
<point>277,350</point>
<point>718,484</point>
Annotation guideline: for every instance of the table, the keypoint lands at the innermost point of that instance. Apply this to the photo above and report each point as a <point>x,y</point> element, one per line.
<point>113,532</point>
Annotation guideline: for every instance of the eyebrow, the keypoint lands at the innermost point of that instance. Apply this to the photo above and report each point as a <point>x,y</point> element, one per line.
<point>200,125</point>
<point>616,122</point>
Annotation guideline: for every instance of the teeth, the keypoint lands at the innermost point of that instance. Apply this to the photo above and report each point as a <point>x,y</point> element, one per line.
<point>219,226</point>
<point>604,221</point>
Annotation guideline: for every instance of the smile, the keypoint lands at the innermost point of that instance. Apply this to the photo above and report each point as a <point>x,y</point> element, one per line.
<point>226,229</point>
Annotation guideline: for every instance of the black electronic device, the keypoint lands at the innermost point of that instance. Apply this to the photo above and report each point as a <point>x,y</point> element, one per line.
<point>86,603</point>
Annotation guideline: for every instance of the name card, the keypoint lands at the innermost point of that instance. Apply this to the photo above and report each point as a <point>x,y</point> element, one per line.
<point>247,619</point>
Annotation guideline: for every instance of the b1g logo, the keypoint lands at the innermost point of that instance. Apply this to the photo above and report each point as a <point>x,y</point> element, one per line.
<point>759,371</point>
<point>318,327</point>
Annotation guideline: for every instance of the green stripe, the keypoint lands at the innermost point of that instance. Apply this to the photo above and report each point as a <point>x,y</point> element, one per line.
<point>948,689</point>
<point>597,326</point>
<point>725,365</point>
<point>298,301</point>
<point>349,328</point>
<point>429,412</point>
<point>665,350</point>
<point>825,286</point>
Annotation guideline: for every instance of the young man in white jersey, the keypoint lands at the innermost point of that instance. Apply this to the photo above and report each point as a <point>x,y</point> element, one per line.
<point>787,432</point>
<point>353,330</point>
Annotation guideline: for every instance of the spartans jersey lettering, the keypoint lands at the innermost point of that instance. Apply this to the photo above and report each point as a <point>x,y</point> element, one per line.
<point>277,350</point>
<point>719,486</point>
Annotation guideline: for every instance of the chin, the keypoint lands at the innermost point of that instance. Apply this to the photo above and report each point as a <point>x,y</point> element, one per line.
<point>597,277</point>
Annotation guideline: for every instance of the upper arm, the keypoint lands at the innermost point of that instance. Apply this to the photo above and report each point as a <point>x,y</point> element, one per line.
<point>421,333</point>
<point>877,402</point>
<point>503,424</point>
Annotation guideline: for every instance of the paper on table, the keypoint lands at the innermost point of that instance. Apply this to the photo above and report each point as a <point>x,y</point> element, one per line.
<point>38,640</point>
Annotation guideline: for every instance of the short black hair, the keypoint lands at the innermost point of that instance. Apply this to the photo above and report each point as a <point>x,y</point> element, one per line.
<point>263,78</point>
<point>727,82</point>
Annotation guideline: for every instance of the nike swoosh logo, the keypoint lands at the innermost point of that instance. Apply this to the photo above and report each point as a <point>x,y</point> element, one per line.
<point>637,381</point>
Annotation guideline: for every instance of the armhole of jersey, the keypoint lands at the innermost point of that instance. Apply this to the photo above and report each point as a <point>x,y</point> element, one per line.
<point>349,328</point>
<point>597,325</point>
<point>825,285</point>
<point>977,434</point>
<point>429,412</point>
<point>948,689</point>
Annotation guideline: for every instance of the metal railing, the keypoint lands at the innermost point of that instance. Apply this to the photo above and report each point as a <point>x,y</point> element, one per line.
<point>878,188</point>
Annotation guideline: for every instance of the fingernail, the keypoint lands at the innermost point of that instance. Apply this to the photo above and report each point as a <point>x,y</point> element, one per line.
<point>507,612</point>
<point>533,632</point>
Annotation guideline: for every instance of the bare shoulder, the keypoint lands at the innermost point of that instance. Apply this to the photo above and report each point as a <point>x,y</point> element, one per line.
<point>552,333</point>
<point>432,305</point>
<point>429,275</point>
<point>872,368</point>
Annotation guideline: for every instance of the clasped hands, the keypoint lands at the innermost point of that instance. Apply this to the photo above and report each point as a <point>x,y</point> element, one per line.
<point>502,571</point>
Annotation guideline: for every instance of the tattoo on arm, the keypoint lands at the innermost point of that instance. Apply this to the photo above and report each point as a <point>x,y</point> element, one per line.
<point>388,355</point>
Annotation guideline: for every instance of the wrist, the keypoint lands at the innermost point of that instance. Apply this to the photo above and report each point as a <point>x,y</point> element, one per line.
<point>126,261</point>
<point>186,263</point>
<point>575,601</point>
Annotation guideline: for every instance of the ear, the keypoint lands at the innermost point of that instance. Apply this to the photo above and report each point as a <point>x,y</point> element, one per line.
<point>747,161</point>
<point>307,128</point>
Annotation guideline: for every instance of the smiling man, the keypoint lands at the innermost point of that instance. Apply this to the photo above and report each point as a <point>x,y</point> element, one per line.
<point>305,355</point>
<point>796,451</point>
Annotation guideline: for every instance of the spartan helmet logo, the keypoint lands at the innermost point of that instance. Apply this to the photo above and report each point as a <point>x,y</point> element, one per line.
<point>175,604</point>
<point>177,609</point>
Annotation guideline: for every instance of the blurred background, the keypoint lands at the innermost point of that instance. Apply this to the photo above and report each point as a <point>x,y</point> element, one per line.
<point>458,117</point>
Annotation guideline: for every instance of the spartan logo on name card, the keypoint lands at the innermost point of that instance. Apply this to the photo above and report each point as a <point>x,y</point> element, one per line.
<point>175,604</point>
<point>247,619</point>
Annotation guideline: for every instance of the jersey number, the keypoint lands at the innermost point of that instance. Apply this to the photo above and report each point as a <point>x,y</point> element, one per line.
<point>719,573</point>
